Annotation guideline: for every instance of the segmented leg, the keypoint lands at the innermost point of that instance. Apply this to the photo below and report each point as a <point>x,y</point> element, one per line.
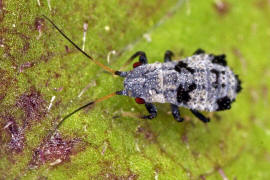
<point>199,51</point>
<point>200,116</point>
<point>168,56</point>
<point>176,113</point>
<point>152,110</point>
<point>142,59</point>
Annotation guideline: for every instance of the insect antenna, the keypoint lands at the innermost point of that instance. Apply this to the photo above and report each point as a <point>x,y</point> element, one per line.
<point>106,68</point>
<point>82,107</point>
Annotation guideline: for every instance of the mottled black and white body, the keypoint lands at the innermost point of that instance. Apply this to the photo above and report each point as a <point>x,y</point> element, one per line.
<point>201,82</point>
<point>160,82</point>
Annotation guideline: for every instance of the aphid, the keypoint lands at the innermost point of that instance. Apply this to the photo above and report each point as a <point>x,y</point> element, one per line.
<point>202,82</point>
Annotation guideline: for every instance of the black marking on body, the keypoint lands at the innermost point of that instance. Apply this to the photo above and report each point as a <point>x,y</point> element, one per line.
<point>181,65</point>
<point>220,59</point>
<point>215,84</point>
<point>192,87</point>
<point>238,85</point>
<point>224,103</point>
<point>183,94</point>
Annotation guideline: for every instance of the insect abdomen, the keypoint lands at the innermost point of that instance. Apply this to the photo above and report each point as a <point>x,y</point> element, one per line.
<point>209,86</point>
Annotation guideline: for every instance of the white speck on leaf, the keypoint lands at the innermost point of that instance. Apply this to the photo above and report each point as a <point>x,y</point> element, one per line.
<point>107,28</point>
<point>50,105</point>
<point>156,175</point>
<point>57,161</point>
<point>137,147</point>
<point>147,37</point>
<point>85,27</point>
<point>49,4</point>
<point>8,124</point>
<point>104,148</point>
<point>221,172</point>
<point>109,55</point>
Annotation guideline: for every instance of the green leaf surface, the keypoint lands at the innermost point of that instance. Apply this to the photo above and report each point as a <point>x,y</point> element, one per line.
<point>43,78</point>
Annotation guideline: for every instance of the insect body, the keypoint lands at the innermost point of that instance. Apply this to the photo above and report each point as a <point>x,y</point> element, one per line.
<point>202,82</point>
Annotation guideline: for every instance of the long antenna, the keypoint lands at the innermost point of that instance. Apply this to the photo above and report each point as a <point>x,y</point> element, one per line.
<point>80,108</point>
<point>106,68</point>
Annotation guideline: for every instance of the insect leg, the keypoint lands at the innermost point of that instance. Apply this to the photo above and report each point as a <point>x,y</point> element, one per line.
<point>168,56</point>
<point>200,116</point>
<point>152,110</point>
<point>142,57</point>
<point>176,113</point>
<point>199,51</point>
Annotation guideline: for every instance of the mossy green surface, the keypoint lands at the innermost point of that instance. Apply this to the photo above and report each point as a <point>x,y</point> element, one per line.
<point>235,144</point>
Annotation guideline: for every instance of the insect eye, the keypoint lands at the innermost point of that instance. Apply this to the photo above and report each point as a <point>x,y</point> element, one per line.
<point>139,100</point>
<point>136,64</point>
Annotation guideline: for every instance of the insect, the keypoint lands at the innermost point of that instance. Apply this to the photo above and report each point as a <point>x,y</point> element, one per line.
<point>201,82</point>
